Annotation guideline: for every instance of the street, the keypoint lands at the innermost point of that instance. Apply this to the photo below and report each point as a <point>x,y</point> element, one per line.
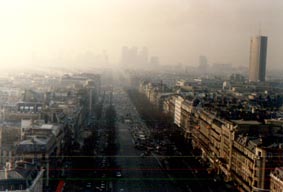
<point>139,174</point>
<point>144,170</point>
<point>128,159</point>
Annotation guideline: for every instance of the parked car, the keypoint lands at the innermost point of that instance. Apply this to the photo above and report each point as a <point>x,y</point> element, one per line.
<point>118,174</point>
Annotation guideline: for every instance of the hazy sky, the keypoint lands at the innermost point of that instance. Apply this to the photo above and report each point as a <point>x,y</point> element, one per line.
<point>58,31</point>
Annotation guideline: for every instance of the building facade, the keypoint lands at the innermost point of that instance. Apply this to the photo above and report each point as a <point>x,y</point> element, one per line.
<point>25,177</point>
<point>276,180</point>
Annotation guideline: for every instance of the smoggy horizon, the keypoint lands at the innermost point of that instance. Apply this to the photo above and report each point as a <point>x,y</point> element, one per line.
<point>80,33</point>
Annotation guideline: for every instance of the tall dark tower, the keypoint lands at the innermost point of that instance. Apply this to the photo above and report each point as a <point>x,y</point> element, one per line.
<point>258,51</point>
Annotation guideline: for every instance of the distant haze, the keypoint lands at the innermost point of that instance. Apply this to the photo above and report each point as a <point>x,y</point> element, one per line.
<point>63,32</point>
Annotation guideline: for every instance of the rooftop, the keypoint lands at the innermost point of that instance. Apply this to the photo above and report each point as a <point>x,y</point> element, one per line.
<point>21,177</point>
<point>278,173</point>
<point>246,122</point>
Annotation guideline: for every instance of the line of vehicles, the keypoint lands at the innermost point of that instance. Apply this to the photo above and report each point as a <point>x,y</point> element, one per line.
<point>142,136</point>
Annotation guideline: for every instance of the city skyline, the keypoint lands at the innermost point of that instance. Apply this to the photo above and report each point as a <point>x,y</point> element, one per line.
<point>56,33</point>
<point>128,95</point>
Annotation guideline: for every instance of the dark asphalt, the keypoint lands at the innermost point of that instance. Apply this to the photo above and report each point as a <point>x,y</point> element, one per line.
<point>140,174</point>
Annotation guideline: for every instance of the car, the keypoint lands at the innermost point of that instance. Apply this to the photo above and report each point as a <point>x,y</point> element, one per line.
<point>140,147</point>
<point>102,186</point>
<point>118,174</point>
<point>88,185</point>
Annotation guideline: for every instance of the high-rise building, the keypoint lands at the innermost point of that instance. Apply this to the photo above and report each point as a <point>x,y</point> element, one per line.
<point>154,61</point>
<point>143,56</point>
<point>137,57</point>
<point>202,61</point>
<point>203,65</point>
<point>129,56</point>
<point>258,51</point>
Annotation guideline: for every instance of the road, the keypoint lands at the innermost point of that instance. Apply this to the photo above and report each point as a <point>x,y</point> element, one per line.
<point>139,174</point>
<point>183,173</point>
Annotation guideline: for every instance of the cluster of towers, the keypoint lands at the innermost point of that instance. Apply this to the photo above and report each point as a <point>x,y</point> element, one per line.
<point>134,57</point>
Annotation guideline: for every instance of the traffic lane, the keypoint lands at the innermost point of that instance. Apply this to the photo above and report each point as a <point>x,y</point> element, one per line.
<point>140,174</point>
<point>152,171</point>
<point>193,176</point>
<point>127,160</point>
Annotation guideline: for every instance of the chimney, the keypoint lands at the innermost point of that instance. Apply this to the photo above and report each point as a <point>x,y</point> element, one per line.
<point>6,172</point>
<point>7,168</point>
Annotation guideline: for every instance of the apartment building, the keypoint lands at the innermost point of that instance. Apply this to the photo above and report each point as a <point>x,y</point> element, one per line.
<point>25,177</point>
<point>276,180</point>
<point>43,144</point>
<point>230,134</point>
<point>10,135</point>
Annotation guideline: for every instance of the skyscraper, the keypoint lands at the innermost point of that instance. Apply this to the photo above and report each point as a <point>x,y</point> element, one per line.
<point>143,56</point>
<point>258,51</point>
<point>203,66</point>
